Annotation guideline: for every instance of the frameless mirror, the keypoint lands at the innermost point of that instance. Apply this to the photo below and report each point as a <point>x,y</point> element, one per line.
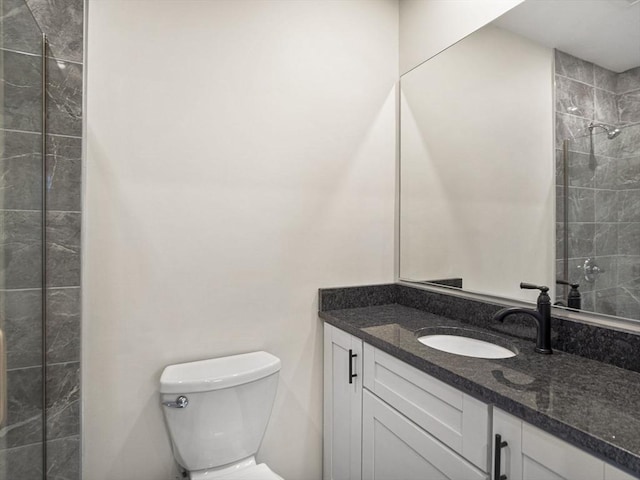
<point>520,157</point>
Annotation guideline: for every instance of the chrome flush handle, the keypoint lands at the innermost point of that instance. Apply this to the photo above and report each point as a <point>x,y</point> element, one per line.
<point>181,402</point>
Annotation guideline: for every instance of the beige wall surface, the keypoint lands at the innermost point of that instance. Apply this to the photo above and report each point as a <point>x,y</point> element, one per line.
<point>239,156</point>
<point>429,26</point>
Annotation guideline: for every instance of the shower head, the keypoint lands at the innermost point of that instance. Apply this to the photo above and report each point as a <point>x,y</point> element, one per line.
<point>611,132</point>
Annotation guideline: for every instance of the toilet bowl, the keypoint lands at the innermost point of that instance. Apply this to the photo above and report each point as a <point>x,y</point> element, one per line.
<point>216,412</point>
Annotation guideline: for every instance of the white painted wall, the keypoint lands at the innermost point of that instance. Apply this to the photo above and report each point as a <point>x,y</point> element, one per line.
<point>477,168</point>
<point>240,154</point>
<point>429,26</point>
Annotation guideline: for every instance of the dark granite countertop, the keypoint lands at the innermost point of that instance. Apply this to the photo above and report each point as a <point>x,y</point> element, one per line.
<point>588,403</point>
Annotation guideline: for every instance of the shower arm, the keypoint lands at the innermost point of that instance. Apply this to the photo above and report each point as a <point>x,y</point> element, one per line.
<point>611,133</point>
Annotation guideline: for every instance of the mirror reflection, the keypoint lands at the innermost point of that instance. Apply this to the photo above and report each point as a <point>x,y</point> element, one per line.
<point>520,158</point>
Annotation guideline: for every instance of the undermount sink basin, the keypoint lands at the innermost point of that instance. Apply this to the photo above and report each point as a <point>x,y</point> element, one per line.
<point>459,342</point>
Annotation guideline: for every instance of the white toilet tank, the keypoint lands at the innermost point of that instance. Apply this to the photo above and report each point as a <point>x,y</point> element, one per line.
<point>228,404</point>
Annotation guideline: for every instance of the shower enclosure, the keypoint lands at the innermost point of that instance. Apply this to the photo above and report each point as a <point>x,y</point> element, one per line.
<point>598,185</point>
<point>22,241</point>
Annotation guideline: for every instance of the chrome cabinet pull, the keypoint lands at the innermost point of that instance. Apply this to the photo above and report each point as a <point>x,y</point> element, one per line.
<point>181,402</point>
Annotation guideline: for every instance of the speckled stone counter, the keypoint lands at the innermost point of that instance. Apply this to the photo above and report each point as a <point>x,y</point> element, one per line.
<point>588,403</point>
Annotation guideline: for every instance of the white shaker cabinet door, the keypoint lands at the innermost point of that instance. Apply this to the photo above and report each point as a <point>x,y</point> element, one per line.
<point>394,448</point>
<point>342,405</point>
<point>532,454</point>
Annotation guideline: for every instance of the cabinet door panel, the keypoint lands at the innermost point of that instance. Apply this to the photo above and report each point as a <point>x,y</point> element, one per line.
<point>395,448</point>
<point>532,454</point>
<point>510,430</point>
<point>342,405</point>
<point>457,420</point>
<point>532,470</point>
<point>558,456</point>
<point>613,473</point>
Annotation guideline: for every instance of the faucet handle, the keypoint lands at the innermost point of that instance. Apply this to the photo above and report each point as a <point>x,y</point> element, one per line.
<point>531,286</point>
<point>564,282</point>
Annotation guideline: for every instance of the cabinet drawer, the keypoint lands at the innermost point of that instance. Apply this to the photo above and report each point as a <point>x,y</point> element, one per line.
<point>456,419</point>
<point>394,448</point>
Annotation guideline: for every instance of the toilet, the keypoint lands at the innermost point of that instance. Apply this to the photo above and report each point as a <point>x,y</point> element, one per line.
<point>216,413</point>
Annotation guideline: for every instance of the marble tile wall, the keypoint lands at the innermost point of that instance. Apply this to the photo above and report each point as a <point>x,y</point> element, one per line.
<point>20,229</point>
<point>603,191</point>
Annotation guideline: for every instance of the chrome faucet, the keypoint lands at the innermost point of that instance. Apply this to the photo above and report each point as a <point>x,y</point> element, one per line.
<point>542,316</point>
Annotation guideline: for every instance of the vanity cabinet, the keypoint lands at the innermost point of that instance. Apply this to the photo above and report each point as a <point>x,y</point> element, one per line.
<point>386,420</point>
<point>532,454</point>
<point>342,405</point>
<point>404,424</point>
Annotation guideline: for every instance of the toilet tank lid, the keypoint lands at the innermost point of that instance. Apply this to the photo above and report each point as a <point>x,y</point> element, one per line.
<point>218,373</point>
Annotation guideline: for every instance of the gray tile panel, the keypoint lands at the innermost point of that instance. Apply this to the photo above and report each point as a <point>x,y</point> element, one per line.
<point>629,107</point>
<point>628,173</point>
<point>588,301</point>
<point>605,79</point>
<point>581,204</point>
<point>22,463</point>
<point>629,239</point>
<point>24,408</point>
<point>20,170</point>
<point>64,98</point>
<point>559,240</point>
<point>606,205</point>
<point>63,458</point>
<point>574,68</point>
<point>21,245</point>
<point>582,169</point>
<point>19,29</point>
<point>629,205</point>
<point>64,173</point>
<point>21,317</point>
<point>629,271</point>
<point>63,325</point>
<point>628,302</point>
<point>581,239</point>
<point>608,276</point>
<point>62,22</point>
<point>575,129</point>
<point>606,108</point>
<point>63,249</point>
<point>560,213</point>
<point>22,86</point>
<point>607,301</point>
<point>629,80</point>
<point>607,173</point>
<point>63,400</point>
<point>606,239</point>
<point>574,98</point>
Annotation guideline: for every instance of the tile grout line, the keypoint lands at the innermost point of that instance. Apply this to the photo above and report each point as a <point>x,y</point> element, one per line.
<point>13,130</point>
<point>51,57</point>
